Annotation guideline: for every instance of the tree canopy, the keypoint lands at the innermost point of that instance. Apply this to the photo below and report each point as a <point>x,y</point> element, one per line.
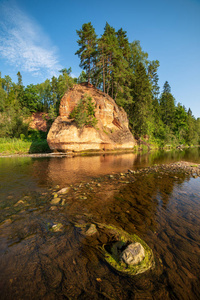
<point>119,68</point>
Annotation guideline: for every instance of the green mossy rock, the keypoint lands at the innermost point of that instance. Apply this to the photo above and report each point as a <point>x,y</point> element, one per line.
<point>116,241</point>
<point>112,253</point>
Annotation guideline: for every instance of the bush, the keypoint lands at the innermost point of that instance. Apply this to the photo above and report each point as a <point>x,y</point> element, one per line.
<point>12,125</point>
<point>34,135</point>
<point>39,147</point>
<point>84,113</point>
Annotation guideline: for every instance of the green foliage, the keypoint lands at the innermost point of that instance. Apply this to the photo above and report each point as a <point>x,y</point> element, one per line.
<point>141,109</point>
<point>123,71</point>
<point>119,68</point>
<point>167,106</point>
<point>20,146</point>
<point>13,145</point>
<point>30,98</point>
<point>87,48</point>
<point>35,135</point>
<point>84,113</point>
<point>12,124</point>
<point>39,146</point>
<point>82,77</point>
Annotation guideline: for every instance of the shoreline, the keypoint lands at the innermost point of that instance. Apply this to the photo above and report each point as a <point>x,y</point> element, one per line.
<point>92,153</point>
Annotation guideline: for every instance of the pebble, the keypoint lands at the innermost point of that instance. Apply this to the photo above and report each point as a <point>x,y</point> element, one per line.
<point>64,190</point>
<point>56,227</point>
<point>19,202</point>
<point>55,201</point>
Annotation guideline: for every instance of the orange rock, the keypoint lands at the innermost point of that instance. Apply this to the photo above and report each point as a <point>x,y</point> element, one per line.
<point>111,132</point>
<point>39,121</point>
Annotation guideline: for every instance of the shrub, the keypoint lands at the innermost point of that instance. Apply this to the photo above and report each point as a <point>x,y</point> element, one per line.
<point>84,113</point>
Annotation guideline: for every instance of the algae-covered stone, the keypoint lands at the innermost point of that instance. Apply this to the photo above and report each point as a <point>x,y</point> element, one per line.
<point>91,230</point>
<point>55,201</point>
<point>87,229</point>
<point>133,254</point>
<point>56,227</point>
<point>113,252</point>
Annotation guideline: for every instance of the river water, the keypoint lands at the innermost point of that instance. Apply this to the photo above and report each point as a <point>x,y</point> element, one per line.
<point>162,209</point>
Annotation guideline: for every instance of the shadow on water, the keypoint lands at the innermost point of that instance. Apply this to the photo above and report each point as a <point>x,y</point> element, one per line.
<point>162,208</point>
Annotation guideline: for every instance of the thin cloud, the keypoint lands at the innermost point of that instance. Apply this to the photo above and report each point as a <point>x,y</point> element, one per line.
<point>24,45</point>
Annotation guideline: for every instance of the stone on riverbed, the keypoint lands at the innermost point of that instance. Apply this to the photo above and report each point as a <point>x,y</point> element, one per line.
<point>56,227</point>
<point>87,229</point>
<point>133,254</point>
<point>113,252</point>
<point>64,190</point>
<point>55,201</point>
<point>91,230</point>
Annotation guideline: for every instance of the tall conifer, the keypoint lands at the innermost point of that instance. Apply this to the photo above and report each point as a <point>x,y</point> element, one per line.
<point>88,48</point>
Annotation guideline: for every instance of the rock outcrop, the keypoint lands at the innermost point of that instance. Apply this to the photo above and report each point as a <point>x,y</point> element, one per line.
<point>38,121</point>
<point>110,133</point>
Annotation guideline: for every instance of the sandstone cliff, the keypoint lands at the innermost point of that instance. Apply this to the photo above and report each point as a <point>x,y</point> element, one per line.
<point>110,133</point>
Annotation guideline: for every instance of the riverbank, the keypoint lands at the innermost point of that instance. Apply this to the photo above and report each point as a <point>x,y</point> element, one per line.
<point>16,146</point>
<point>39,148</point>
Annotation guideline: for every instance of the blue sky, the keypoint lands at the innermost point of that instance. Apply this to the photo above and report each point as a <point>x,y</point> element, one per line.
<point>38,38</point>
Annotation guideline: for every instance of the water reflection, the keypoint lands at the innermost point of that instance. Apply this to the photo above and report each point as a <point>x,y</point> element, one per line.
<point>64,171</point>
<point>70,170</point>
<point>163,209</point>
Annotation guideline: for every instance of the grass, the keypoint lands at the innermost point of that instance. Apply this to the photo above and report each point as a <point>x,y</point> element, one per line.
<point>18,146</point>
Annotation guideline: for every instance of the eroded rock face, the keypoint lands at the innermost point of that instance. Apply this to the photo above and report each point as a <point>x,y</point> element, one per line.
<point>110,133</point>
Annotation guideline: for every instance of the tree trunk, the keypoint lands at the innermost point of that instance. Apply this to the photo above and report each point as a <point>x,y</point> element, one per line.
<point>104,84</point>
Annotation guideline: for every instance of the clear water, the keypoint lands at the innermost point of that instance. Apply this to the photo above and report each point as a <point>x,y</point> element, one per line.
<point>163,209</point>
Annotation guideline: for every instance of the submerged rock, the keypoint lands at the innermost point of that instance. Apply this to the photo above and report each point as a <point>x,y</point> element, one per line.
<point>137,258</point>
<point>19,202</point>
<point>91,230</point>
<point>64,190</point>
<point>87,229</point>
<point>56,227</point>
<point>133,254</point>
<point>55,201</point>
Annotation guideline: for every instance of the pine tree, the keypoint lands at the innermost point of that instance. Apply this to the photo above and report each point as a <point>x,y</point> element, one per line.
<point>137,55</point>
<point>19,88</point>
<point>167,106</point>
<point>114,62</point>
<point>123,43</point>
<point>141,109</point>
<point>122,69</point>
<point>181,126</point>
<point>153,77</point>
<point>192,135</point>
<point>88,48</point>
<point>110,51</point>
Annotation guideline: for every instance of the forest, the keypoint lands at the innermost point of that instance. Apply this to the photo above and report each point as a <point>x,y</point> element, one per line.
<point>119,68</point>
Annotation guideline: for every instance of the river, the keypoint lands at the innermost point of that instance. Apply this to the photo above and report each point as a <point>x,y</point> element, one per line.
<point>162,209</point>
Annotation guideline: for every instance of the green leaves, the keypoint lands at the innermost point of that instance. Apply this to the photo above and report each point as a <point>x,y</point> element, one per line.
<point>84,113</point>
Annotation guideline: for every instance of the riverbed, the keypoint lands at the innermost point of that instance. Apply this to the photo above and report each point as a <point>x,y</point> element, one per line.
<point>44,255</point>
